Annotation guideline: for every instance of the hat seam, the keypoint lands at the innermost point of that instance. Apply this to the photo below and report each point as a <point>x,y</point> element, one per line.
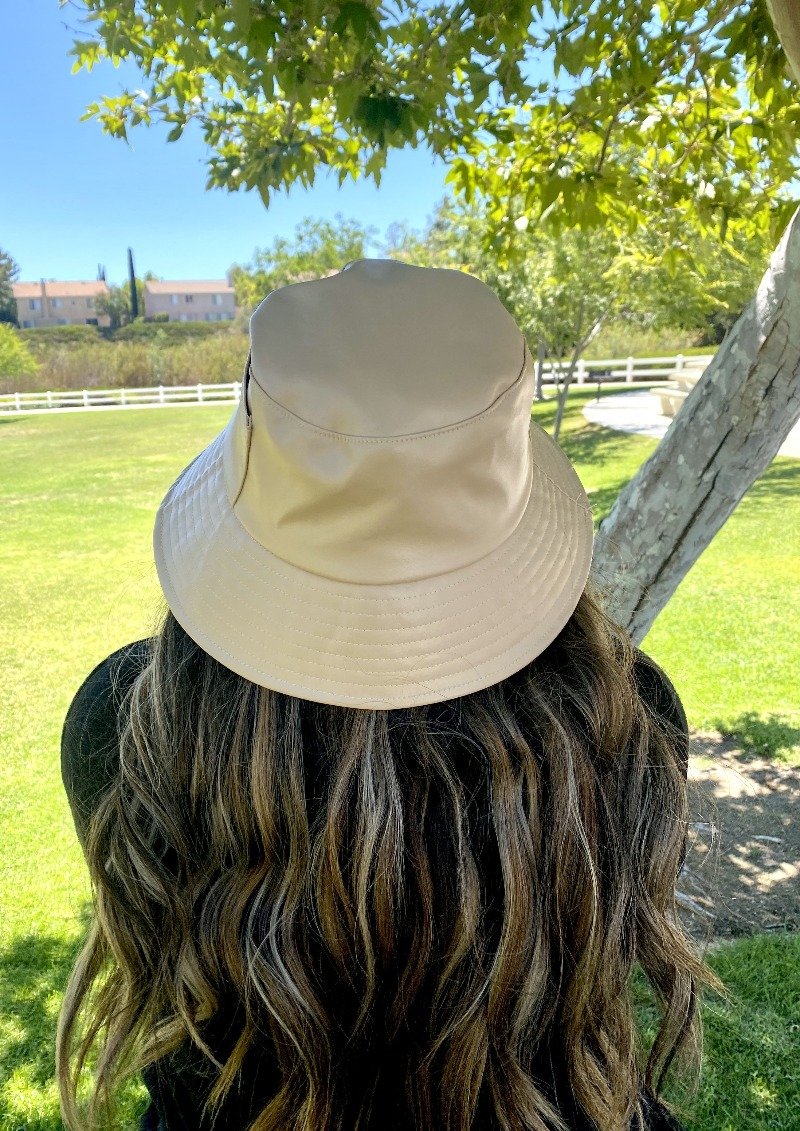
<point>404,437</point>
<point>572,499</point>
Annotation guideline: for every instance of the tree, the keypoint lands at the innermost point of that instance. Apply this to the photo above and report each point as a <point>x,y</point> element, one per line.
<point>726,433</point>
<point>117,303</point>
<point>699,95</point>
<point>319,248</point>
<point>15,357</point>
<point>133,289</point>
<point>9,271</point>
<point>785,16</point>
<point>567,287</point>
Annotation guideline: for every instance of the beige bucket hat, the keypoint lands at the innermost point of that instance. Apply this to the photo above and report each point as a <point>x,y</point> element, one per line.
<point>381,523</point>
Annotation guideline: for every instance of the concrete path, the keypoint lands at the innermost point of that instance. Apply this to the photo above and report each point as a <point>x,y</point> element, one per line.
<point>638,411</point>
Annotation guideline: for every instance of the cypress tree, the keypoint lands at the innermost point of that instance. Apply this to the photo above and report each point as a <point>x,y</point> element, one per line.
<point>132,280</point>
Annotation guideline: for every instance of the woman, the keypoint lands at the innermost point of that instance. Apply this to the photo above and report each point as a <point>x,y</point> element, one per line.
<point>381,818</point>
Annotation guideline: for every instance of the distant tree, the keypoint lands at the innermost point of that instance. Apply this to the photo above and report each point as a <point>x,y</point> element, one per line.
<point>117,303</point>
<point>15,357</point>
<point>318,248</point>
<point>564,288</point>
<point>9,271</point>
<point>133,289</point>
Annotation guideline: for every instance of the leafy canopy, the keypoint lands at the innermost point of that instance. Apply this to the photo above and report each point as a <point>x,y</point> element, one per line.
<point>319,248</point>
<point>589,114</point>
<point>566,288</point>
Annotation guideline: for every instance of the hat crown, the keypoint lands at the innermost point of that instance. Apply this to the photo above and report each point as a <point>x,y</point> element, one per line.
<point>385,348</point>
<point>383,436</point>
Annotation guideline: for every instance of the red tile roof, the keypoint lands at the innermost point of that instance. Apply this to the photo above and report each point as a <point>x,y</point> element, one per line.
<point>53,289</point>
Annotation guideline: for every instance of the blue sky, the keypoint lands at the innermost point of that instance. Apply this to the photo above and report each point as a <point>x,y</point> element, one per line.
<point>72,197</point>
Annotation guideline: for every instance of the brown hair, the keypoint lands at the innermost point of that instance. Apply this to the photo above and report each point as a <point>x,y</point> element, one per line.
<point>327,868</point>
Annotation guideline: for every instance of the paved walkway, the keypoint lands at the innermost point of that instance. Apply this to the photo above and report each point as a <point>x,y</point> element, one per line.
<point>638,411</point>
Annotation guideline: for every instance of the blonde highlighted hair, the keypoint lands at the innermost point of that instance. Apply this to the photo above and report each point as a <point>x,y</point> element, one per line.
<point>332,870</point>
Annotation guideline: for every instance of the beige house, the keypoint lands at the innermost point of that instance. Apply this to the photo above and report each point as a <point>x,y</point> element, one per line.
<point>48,303</point>
<point>208,300</point>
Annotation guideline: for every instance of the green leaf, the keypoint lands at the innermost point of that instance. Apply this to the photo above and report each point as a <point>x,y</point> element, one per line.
<point>346,99</point>
<point>480,85</point>
<point>264,30</point>
<point>359,17</point>
<point>240,10</point>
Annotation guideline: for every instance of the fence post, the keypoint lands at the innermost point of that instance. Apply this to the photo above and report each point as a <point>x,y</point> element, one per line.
<point>122,399</point>
<point>160,394</point>
<point>85,398</point>
<point>581,371</point>
<point>49,399</point>
<point>17,401</point>
<point>629,369</point>
<point>200,393</point>
<point>237,391</point>
<point>679,363</point>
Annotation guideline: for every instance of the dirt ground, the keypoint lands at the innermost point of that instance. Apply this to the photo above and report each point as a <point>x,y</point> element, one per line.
<point>742,869</point>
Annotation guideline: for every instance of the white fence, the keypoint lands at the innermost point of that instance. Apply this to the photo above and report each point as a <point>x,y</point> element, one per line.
<point>120,398</point>
<point>627,369</point>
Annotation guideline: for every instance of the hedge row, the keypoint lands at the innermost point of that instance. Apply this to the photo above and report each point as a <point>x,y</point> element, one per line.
<point>163,332</point>
<point>218,358</point>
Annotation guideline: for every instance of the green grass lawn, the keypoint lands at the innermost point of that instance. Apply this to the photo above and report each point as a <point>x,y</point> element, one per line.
<point>79,494</point>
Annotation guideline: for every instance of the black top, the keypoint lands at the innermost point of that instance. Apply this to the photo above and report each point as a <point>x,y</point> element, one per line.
<point>180,1081</point>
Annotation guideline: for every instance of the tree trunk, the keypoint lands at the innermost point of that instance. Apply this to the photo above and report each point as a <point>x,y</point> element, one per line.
<point>726,433</point>
<point>785,16</point>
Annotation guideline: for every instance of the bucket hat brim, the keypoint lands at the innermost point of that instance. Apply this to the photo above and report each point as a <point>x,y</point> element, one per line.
<point>373,646</point>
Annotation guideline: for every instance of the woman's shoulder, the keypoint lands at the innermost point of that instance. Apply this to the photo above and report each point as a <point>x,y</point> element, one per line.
<point>89,735</point>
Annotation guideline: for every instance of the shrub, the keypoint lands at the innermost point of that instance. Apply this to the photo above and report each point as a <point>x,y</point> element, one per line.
<point>60,335</point>
<point>212,359</point>
<point>16,360</point>
<point>168,332</point>
<point>620,340</point>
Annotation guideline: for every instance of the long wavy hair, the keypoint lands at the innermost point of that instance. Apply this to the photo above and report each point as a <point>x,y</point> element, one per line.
<point>333,871</point>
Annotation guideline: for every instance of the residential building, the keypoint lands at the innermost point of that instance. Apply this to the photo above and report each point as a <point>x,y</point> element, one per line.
<point>207,300</point>
<point>48,303</point>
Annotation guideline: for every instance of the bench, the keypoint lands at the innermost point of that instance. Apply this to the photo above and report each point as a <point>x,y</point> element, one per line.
<point>672,394</point>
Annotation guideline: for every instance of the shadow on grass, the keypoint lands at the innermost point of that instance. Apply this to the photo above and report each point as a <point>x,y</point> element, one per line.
<point>749,1073</point>
<point>34,970</point>
<point>590,445</point>
<point>779,479</point>
<point>743,865</point>
<point>760,737</point>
